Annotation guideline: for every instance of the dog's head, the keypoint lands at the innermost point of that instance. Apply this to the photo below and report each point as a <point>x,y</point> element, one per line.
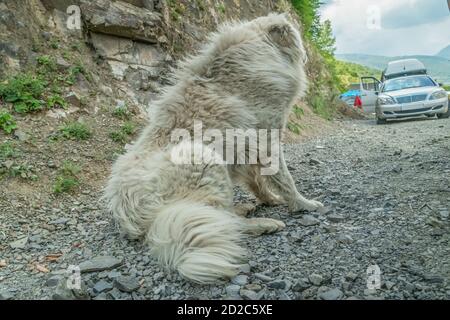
<point>283,35</point>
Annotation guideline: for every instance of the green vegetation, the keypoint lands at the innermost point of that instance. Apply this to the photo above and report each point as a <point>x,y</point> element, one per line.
<point>55,100</point>
<point>321,106</point>
<point>48,68</point>
<point>121,135</point>
<point>76,46</point>
<point>122,113</point>
<point>177,9</point>
<point>294,127</point>
<point>7,151</point>
<point>46,64</point>
<point>320,34</point>
<point>298,111</point>
<point>54,44</point>
<point>41,87</point>
<point>201,5</point>
<point>75,131</point>
<point>326,84</point>
<point>437,67</point>
<point>118,136</point>
<point>67,178</point>
<point>221,8</point>
<point>9,168</point>
<point>74,71</point>
<point>24,91</point>
<point>349,73</point>
<point>7,122</point>
<point>128,128</point>
<point>23,171</point>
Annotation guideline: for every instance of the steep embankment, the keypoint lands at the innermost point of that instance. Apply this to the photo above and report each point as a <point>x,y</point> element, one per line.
<point>71,99</point>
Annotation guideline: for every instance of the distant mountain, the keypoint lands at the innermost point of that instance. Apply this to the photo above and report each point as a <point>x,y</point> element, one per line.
<point>438,67</point>
<point>444,53</point>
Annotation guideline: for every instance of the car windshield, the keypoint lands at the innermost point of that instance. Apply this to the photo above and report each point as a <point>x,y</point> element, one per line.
<point>406,83</point>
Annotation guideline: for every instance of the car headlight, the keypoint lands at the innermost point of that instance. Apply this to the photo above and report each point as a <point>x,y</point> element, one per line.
<point>386,100</point>
<point>438,95</point>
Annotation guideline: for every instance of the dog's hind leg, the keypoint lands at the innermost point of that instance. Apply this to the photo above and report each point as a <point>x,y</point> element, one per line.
<point>250,176</point>
<point>258,226</point>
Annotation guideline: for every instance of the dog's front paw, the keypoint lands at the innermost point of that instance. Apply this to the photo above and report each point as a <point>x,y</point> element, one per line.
<point>308,205</point>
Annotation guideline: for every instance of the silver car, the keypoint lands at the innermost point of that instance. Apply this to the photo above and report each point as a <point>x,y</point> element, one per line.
<point>411,96</point>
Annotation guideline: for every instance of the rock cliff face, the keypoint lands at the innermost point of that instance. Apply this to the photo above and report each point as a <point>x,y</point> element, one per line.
<point>77,77</point>
<point>127,45</point>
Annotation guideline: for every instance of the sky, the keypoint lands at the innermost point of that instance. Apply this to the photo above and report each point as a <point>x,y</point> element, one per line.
<point>387,27</point>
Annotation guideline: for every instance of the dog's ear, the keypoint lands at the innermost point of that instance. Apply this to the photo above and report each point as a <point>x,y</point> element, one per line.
<point>288,41</point>
<point>281,35</point>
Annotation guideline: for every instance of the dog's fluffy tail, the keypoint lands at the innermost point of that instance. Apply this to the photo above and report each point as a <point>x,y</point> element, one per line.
<point>202,243</point>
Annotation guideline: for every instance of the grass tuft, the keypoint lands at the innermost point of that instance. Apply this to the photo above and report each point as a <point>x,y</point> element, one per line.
<point>7,122</point>
<point>67,179</point>
<point>75,131</point>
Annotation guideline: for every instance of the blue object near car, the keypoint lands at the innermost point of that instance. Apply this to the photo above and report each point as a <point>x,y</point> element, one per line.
<point>349,96</point>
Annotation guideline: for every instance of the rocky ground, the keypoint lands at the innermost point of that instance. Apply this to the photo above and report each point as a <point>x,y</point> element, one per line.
<point>388,190</point>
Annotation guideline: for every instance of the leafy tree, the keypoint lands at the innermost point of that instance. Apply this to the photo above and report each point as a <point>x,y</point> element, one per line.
<point>324,39</point>
<point>319,33</point>
<point>308,12</point>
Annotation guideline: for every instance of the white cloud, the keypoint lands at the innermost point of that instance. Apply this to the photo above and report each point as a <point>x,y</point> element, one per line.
<point>405,26</point>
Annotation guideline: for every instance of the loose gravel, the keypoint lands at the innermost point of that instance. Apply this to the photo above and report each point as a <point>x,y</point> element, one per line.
<point>388,192</point>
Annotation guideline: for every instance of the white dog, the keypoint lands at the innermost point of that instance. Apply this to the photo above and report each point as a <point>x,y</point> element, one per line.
<point>248,75</point>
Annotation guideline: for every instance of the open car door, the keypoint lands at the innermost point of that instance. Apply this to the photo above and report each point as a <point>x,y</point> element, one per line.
<point>369,88</point>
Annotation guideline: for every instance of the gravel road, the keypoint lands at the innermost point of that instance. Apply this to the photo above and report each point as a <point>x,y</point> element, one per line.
<point>388,189</point>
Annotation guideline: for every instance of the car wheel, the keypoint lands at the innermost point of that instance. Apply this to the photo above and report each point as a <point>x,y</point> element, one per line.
<point>444,115</point>
<point>381,121</point>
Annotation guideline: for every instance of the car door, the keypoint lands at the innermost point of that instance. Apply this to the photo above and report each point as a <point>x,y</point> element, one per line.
<point>369,87</point>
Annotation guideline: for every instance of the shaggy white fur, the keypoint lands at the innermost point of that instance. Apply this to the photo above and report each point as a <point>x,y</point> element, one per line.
<point>248,75</point>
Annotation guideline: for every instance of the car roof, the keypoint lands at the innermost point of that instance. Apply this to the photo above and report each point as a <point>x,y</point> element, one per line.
<point>405,65</point>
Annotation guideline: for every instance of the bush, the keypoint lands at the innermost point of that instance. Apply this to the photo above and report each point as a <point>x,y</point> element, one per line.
<point>118,136</point>
<point>23,171</point>
<point>121,135</point>
<point>325,80</point>
<point>294,127</point>
<point>46,64</point>
<point>128,128</point>
<point>63,184</point>
<point>70,169</point>
<point>321,106</point>
<point>24,91</point>
<point>55,100</point>
<point>7,122</point>
<point>74,71</point>
<point>67,179</point>
<point>298,111</point>
<point>7,151</point>
<point>75,131</point>
<point>121,113</point>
